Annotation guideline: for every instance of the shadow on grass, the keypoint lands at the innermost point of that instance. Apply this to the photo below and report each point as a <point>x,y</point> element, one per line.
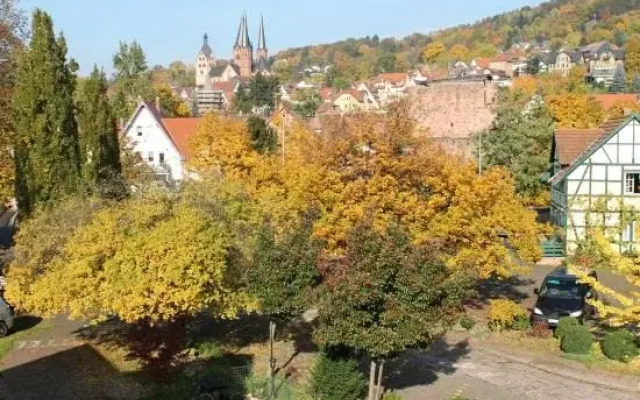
<point>24,323</point>
<point>417,368</point>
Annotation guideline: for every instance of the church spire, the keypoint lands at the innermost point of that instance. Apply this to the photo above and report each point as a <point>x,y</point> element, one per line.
<point>262,41</point>
<point>242,40</point>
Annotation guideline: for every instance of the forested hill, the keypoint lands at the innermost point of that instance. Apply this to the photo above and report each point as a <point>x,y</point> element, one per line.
<point>558,23</point>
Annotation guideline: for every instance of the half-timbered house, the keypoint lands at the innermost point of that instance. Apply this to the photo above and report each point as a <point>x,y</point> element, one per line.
<point>589,165</point>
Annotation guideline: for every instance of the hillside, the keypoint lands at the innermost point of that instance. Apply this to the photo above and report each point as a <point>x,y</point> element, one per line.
<point>558,23</point>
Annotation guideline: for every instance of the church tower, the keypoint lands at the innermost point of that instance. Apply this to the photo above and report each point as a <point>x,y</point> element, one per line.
<point>204,62</point>
<point>243,49</point>
<point>263,52</point>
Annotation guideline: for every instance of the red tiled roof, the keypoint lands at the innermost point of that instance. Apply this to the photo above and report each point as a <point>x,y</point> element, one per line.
<point>358,95</point>
<point>181,130</point>
<point>228,87</point>
<point>483,62</point>
<point>395,77</point>
<point>571,143</point>
<point>609,100</point>
<point>326,93</point>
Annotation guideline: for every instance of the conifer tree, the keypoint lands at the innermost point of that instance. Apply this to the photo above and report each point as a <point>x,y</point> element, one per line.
<point>619,84</point>
<point>635,84</point>
<point>46,145</point>
<point>99,149</point>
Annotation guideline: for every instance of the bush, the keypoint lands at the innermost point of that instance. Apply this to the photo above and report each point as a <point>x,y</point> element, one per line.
<point>392,396</point>
<point>337,378</point>
<point>620,345</point>
<point>504,313</point>
<point>564,325</point>
<point>540,330</point>
<point>467,322</point>
<point>521,323</point>
<point>576,340</point>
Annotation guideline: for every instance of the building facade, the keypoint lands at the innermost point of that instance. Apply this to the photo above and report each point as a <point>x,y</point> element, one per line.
<point>593,172</point>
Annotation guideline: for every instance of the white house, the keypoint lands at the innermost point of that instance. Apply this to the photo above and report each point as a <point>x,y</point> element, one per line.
<point>593,164</point>
<point>162,143</point>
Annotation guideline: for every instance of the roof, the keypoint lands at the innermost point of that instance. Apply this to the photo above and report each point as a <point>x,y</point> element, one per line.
<point>358,95</point>
<point>263,65</point>
<point>607,130</point>
<point>262,41</point>
<point>483,62</point>
<point>180,130</point>
<point>394,77</point>
<point>610,99</point>
<point>570,143</point>
<point>598,46</point>
<point>326,93</point>
<point>206,50</point>
<point>242,40</point>
<point>228,87</point>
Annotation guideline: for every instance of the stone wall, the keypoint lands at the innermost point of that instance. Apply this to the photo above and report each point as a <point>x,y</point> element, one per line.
<point>453,111</point>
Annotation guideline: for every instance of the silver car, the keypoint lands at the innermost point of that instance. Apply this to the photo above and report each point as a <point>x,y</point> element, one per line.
<point>6,317</point>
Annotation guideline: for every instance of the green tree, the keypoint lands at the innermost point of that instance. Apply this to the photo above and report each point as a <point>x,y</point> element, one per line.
<point>46,145</point>
<point>262,90</point>
<point>520,140</point>
<point>619,83</point>
<point>99,147</point>
<point>635,84</point>
<point>132,79</point>
<point>533,65</point>
<point>263,138</point>
<point>387,295</point>
<point>307,102</point>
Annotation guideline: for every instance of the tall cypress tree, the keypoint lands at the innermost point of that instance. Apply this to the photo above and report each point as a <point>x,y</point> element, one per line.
<point>99,149</point>
<point>635,84</point>
<point>619,84</point>
<point>46,146</point>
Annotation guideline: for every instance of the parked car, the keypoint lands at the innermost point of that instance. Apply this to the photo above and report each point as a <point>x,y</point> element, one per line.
<point>561,295</point>
<point>6,318</point>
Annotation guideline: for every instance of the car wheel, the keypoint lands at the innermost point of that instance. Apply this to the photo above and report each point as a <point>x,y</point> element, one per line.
<point>4,330</point>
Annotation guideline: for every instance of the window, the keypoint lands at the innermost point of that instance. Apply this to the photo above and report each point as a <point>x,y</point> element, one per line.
<point>139,129</point>
<point>632,183</point>
<point>161,158</point>
<point>150,156</point>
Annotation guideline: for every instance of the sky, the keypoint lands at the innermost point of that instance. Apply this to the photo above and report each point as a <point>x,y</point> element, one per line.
<point>172,30</point>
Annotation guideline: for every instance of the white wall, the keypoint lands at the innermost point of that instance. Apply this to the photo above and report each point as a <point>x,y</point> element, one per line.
<point>154,139</point>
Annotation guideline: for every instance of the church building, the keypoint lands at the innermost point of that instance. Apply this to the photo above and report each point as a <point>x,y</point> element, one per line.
<point>245,63</point>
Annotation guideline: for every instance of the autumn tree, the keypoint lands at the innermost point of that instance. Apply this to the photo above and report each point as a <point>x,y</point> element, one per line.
<point>132,79</point>
<point>433,51</point>
<point>519,140</point>
<point>46,142</point>
<point>392,297</point>
<point>127,261</point>
<point>458,52</point>
<point>632,57</point>
<point>99,146</point>
<point>576,111</point>
<point>307,102</point>
<point>172,106</point>
<point>635,84</point>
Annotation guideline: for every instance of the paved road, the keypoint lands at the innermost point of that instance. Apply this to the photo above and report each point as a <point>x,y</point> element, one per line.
<point>485,373</point>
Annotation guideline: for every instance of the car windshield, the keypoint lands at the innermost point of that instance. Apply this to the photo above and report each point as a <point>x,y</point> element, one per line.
<point>566,288</point>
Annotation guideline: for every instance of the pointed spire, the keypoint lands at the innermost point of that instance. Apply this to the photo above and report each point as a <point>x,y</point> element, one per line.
<point>206,50</point>
<point>262,41</point>
<point>242,40</point>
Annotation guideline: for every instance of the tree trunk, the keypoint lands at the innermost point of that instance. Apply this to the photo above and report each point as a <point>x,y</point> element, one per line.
<point>272,360</point>
<point>379,384</point>
<point>372,380</point>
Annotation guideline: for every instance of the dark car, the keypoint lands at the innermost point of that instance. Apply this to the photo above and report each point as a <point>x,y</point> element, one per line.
<point>561,295</point>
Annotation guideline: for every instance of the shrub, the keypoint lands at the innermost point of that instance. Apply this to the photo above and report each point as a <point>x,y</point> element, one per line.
<point>540,330</point>
<point>504,313</point>
<point>620,345</point>
<point>392,396</point>
<point>565,324</point>
<point>576,340</point>
<point>467,322</point>
<point>337,378</point>
<point>521,323</point>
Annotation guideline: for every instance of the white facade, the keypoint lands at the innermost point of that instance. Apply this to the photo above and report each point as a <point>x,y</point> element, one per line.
<point>608,171</point>
<point>149,139</point>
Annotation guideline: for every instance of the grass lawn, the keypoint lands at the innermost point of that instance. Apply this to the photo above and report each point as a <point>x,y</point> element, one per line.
<point>23,329</point>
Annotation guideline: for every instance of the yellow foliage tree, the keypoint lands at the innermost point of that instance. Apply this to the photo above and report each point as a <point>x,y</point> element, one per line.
<point>373,168</point>
<point>153,258</point>
<point>433,51</point>
<point>172,106</point>
<point>459,52</point>
<point>576,111</point>
<point>621,107</point>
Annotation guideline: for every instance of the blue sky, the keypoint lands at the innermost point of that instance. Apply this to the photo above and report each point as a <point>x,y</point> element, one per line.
<point>172,30</point>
